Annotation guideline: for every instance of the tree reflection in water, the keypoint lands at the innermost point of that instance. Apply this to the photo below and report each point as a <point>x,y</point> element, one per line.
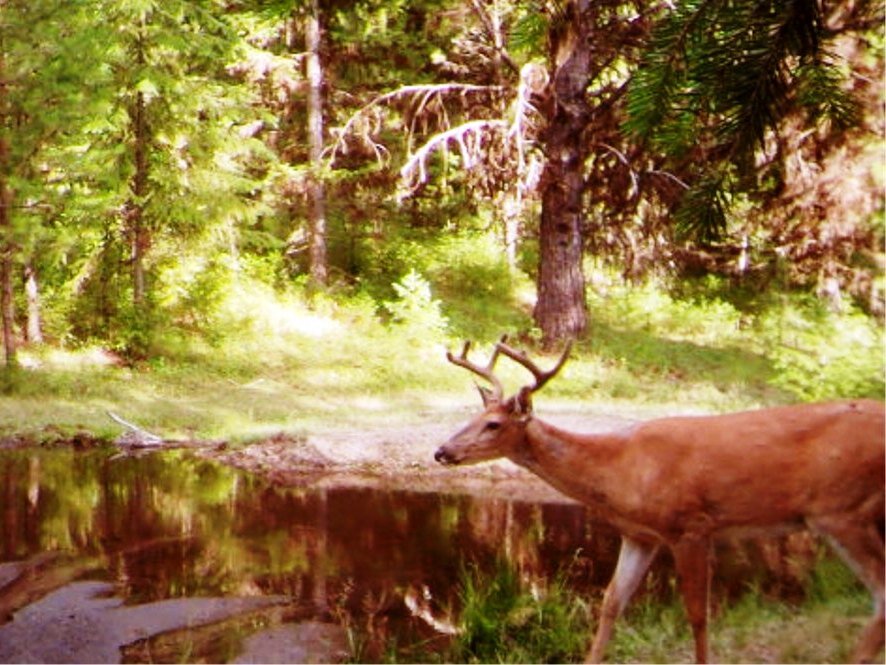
<point>169,525</point>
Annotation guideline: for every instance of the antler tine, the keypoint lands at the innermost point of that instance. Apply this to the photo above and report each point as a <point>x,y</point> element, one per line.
<point>541,377</point>
<point>485,372</point>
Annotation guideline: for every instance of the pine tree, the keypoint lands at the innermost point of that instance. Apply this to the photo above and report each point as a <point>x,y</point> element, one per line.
<point>41,45</point>
<point>716,82</point>
<point>166,163</point>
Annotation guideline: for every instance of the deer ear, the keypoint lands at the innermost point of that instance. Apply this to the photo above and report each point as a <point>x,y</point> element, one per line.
<point>523,402</point>
<point>486,395</point>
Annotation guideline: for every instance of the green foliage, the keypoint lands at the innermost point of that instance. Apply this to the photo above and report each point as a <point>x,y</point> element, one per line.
<point>726,341</point>
<point>701,214</point>
<point>831,580</point>
<point>652,630</point>
<point>530,30</point>
<point>415,309</point>
<point>818,354</point>
<point>506,622</point>
<point>717,78</point>
<point>482,296</point>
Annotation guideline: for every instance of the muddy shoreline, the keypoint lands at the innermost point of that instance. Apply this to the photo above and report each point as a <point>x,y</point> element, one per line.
<point>398,458</point>
<point>393,457</point>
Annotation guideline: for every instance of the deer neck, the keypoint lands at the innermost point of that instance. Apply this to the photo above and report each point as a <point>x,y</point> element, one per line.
<point>579,465</point>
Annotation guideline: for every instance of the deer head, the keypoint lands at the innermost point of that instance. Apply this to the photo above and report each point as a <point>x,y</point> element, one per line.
<point>500,430</point>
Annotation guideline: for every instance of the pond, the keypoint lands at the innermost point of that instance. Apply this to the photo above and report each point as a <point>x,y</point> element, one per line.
<point>80,528</point>
<point>169,557</point>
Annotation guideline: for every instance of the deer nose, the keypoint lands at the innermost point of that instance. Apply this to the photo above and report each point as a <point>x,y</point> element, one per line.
<point>443,456</point>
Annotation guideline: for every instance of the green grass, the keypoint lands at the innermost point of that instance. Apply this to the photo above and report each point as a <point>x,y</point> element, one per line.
<point>294,360</point>
<point>507,620</point>
<point>504,622</point>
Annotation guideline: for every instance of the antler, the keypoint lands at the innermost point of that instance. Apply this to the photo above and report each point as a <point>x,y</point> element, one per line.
<point>485,372</point>
<point>541,377</point>
<point>502,347</point>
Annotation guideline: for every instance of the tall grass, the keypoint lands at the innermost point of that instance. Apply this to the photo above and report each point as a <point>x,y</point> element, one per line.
<point>505,621</point>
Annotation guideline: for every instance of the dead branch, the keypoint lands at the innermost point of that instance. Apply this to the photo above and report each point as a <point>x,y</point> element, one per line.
<point>136,437</point>
<point>466,136</point>
<point>423,93</point>
<point>494,34</point>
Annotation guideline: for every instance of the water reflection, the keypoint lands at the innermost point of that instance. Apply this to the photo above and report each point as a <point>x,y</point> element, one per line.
<point>171,526</point>
<point>230,556</point>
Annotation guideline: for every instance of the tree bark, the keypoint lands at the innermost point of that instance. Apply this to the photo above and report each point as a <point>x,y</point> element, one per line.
<point>7,242</point>
<point>139,237</point>
<point>34,327</point>
<point>561,310</point>
<point>7,263</point>
<point>316,189</point>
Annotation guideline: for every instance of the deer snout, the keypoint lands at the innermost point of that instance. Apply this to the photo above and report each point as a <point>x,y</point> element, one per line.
<point>444,456</point>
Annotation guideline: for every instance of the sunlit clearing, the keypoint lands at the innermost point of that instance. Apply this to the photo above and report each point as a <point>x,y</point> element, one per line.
<point>268,313</point>
<point>68,359</point>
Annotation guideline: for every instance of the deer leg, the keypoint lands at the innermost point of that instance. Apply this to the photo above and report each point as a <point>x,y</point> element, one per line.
<point>692,559</point>
<point>634,560</point>
<point>861,548</point>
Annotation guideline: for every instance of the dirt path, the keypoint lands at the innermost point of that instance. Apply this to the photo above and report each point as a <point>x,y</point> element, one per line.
<point>402,457</point>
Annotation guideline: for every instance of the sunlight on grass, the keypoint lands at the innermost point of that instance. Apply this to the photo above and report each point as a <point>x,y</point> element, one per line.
<point>293,360</point>
<point>265,312</point>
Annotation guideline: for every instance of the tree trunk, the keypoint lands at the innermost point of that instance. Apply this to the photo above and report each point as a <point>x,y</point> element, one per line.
<point>561,310</point>
<point>7,263</point>
<point>316,189</point>
<point>139,236</point>
<point>34,327</point>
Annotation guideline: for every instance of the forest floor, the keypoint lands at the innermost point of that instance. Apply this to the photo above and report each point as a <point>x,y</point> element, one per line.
<point>401,456</point>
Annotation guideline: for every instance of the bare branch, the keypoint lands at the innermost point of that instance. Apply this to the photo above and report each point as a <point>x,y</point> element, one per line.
<point>136,437</point>
<point>424,93</point>
<point>635,187</point>
<point>467,138</point>
<point>669,176</point>
<point>493,34</point>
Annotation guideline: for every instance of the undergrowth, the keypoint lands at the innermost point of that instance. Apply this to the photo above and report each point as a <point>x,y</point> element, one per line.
<point>290,357</point>
<point>506,619</point>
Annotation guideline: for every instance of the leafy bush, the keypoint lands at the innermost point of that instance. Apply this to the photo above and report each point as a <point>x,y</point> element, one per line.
<point>415,308</point>
<point>482,296</point>
<point>818,354</point>
<point>784,346</point>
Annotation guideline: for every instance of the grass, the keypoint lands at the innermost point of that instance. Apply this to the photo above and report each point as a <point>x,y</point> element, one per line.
<point>757,628</point>
<point>507,620</point>
<point>289,362</point>
<point>267,360</point>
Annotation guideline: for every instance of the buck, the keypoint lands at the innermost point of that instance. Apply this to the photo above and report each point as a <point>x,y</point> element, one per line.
<point>681,482</point>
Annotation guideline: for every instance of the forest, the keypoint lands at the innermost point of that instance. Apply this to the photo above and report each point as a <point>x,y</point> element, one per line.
<point>238,238</point>
<point>228,187</point>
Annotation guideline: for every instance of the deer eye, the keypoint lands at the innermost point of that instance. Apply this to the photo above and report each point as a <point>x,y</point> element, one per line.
<point>493,425</point>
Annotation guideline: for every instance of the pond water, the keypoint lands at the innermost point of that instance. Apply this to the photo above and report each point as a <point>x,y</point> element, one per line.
<point>172,526</point>
<point>178,558</point>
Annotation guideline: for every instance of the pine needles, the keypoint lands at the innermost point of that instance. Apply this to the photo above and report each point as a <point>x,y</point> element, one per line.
<point>717,83</point>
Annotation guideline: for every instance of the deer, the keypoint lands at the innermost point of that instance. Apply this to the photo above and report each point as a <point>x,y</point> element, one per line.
<point>682,482</point>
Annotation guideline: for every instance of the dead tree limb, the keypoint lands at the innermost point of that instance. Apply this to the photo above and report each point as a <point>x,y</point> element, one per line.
<point>421,93</point>
<point>468,138</point>
<point>135,437</point>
